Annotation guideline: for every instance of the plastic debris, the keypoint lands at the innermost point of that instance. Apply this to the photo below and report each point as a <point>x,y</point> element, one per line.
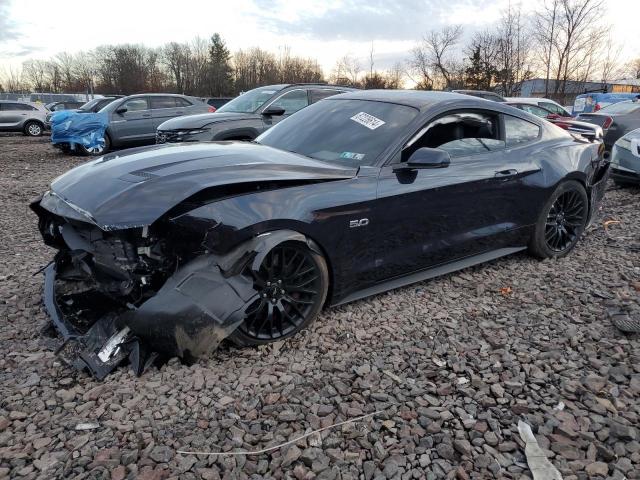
<point>540,466</point>
<point>73,128</point>
<point>87,426</point>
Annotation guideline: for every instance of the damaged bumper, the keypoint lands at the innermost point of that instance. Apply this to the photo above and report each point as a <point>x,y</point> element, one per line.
<point>189,316</point>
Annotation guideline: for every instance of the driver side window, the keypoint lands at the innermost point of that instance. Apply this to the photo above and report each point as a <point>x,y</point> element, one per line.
<point>292,101</point>
<point>461,134</point>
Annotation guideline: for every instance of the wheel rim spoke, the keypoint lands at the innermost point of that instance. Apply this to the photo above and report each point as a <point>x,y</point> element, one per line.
<point>565,219</point>
<point>288,283</point>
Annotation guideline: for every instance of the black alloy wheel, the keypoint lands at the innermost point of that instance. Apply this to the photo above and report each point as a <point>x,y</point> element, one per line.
<point>561,221</point>
<point>565,221</point>
<point>292,284</point>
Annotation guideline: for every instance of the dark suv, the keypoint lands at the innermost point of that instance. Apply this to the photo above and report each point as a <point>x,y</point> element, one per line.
<point>248,115</point>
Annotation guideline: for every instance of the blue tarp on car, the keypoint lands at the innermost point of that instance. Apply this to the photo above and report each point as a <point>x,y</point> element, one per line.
<point>73,128</point>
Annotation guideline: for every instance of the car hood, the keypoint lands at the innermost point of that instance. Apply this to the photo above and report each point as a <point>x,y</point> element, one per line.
<point>199,121</point>
<point>135,187</point>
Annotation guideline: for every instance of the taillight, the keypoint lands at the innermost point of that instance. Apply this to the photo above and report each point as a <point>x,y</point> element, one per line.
<point>597,107</point>
<point>212,109</point>
<point>607,123</point>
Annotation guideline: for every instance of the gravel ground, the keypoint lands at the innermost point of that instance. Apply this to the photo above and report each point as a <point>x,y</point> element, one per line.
<point>451,365</point>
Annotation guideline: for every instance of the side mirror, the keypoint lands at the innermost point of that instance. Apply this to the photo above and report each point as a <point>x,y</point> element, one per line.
<point>425,158</point>
<point>273,111</point>
<point>121,110</point>
<point>553,116</point>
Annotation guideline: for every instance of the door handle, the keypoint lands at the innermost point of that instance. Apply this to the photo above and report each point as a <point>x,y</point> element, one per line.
<point>146,115</point>
<point>179,113</point>
<point>507,173</point>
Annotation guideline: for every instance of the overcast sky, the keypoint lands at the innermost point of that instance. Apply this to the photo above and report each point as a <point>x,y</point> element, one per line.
<point>325,30</point>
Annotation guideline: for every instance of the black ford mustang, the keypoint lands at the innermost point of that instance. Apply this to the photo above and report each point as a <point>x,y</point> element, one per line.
<point>172,248</point>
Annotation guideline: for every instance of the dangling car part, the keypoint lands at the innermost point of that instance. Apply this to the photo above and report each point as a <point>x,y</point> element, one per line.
<point>170,249</point>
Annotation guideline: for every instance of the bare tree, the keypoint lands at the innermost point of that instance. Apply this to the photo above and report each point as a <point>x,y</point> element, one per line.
<point>34,73</point>
<point>570,33</point>
<point>346,71</point>
<point>12,79</point>
<point>482,53</point>
<point>434,58</point>
<point>513,51</point>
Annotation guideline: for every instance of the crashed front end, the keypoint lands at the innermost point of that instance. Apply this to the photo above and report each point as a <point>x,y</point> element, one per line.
<point>132,293</point>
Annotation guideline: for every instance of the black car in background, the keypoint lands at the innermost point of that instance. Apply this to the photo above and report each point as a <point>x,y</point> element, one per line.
<point>64,105</point>
<point>178,246</point>
<point>248,115</point>
<point>216,102</point>
<point>616,120</point>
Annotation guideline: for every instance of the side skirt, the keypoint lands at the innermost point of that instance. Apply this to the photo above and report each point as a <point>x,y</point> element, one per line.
<point>429,273</point>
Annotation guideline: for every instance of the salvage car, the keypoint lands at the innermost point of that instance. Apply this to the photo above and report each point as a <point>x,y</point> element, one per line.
<point>546,103</point>
<point>615,120</point>
<point>248,115</point>
<point>28,118</point>
<point>178,246</point>
<point>92,106</point>
<point>132,120</point>
<point>625,159</point>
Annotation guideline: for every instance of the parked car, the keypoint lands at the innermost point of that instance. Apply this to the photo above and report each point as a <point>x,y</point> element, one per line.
<point>625,159</point>
<point>593,102</point>
<point>248,115</point>
<point>546,103</point>
<point>28,118</point>
<point>178,246</point>
<point>615,120</point>
<point>64,105</point>
<point>216,102</point>
<point>481,94</point>
<point>133,120</point>
<point>92,106</point>
<point>562,121</point>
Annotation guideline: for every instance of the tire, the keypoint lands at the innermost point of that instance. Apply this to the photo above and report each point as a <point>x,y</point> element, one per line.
<point>285,306</point>
<point>94,152</point>
<point>561,221</point>
<point>33,129</point>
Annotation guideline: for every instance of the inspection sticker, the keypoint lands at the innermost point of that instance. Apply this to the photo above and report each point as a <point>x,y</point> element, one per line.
<point>367,120</point>
<point>352,155</point>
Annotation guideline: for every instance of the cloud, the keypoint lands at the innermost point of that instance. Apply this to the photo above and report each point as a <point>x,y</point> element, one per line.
<point>356,20</point>
<point>8,28</point>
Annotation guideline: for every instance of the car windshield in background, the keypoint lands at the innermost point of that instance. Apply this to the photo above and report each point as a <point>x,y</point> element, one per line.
<point>348,132</point>
<point>621,107</point>
<point>90,104</point>
<point>250,101</point>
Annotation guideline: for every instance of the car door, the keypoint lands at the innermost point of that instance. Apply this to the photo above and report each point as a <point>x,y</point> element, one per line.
<point>11,115</point>
<point>433,216</point>
<point>132,121</point>
<point>163,108</point>
<point>291,102</point>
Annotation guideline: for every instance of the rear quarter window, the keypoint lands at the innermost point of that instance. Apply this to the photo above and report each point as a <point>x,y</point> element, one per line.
<point>182,102</point>
<point>518,131</point>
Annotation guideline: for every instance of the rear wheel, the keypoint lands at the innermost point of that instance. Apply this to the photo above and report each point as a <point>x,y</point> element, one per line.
<point>291,284</point>
<point>33,129</point>
<point>561,221</point>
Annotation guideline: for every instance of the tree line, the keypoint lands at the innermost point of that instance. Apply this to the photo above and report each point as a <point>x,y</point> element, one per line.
<point>562,41</point>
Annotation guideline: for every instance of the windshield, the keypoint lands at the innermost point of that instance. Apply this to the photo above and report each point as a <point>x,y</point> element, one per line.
<point>621,107</point>
<point>348,132</point>
<point>250,101</point>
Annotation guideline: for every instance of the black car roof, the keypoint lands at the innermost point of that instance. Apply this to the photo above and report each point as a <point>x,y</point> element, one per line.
<point>413,98</point>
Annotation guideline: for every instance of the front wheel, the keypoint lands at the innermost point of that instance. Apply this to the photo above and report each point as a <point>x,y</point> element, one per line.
<point>33,129</point>
<point>561,221</point>
<point>100,149</point>
<point>291,285</point>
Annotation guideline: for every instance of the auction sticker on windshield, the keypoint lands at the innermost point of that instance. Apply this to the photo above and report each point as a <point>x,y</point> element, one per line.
<point>367,120</point>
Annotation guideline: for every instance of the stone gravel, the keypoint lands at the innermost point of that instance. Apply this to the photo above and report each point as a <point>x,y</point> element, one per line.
<point>450,365</point>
